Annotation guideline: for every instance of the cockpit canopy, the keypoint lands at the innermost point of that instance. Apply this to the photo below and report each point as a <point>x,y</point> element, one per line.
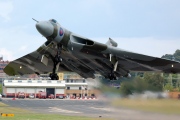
<point>53,20</point>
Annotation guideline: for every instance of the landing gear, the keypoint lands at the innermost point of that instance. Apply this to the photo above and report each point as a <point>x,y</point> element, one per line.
<point>114,62</point>
<point>112,76</point>
<point>56,60</point>
<point>54,76</point>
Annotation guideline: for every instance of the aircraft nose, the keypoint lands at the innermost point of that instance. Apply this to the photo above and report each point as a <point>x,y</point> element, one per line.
<point>45,28</point>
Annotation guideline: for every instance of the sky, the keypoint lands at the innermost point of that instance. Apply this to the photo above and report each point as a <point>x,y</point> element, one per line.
<point>150,27</point>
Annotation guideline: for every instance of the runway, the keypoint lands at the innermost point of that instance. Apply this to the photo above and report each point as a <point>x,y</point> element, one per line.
<point>93,108</point>
<point>90,108</point>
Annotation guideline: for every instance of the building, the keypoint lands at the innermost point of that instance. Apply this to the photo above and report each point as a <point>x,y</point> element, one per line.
<point>79,88</point>
<point>2,66</point>
<point>72,86</point>
<point>11,88</point>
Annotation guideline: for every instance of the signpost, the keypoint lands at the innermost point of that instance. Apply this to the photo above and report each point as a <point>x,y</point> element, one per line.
<point>7,115</point>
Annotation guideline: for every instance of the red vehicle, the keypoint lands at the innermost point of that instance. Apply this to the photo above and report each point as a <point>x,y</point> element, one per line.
<point>42,95</point>
<point>51,96</point>
<point>21,95</point>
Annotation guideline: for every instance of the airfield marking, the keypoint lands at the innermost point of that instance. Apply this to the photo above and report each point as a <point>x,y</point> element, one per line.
<point>55,109</point>
<point>102,108</point>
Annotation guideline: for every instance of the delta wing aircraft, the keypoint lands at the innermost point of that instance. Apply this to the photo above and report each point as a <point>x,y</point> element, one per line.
<point>67,51</point>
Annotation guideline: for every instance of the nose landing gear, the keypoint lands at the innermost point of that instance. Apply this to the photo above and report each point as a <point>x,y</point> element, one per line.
<point>54,76</point>
<point>56,61</point>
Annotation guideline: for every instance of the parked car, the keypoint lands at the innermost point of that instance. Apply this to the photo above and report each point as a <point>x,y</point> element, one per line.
<point>21,95</point>
<point>42,95</point>
<point>51,96</point>
<point>61,97</point>
<point>31,96</point>
<point>3,95</point>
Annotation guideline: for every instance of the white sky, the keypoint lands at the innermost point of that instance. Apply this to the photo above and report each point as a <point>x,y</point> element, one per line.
<point>150,27</point>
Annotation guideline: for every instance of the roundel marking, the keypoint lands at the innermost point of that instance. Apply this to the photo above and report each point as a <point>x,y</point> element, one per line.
<point>61,32</point>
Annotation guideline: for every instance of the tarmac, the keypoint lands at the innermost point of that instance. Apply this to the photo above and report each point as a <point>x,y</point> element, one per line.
<point>90,108</point>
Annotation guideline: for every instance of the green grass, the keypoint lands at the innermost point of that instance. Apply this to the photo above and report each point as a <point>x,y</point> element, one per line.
<point>48,117</point>
<point>21,114</point>
<point>167,106</point>
<point>2,104</point>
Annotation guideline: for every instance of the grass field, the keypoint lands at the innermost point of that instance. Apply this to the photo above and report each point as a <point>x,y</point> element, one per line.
<point>167,106</point>
<point>21,114</point>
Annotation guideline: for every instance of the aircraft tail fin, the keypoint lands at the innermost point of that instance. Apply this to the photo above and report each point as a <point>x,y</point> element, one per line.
<point>111,42</point>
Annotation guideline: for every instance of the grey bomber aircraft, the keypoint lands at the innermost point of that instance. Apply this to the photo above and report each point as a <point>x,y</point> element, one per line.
<point>67,51</point>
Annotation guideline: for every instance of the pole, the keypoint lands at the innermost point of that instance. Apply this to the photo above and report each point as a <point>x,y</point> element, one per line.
<point>81,92</point>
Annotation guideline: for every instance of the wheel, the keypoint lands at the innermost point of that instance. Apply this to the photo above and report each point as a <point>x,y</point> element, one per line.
<point>54,76</point>
<point>57,59</point>
<point>57,77</point>
<point>112,76</point>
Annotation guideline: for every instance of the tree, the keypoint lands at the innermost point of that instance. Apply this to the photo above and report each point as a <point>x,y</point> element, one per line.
<point>168,87</point>
<point>175,56</point>
<point>155,81</point>
<point>139,84</point>
<point>167,56</point>
<point>150,81</point>
<point>126,88</point>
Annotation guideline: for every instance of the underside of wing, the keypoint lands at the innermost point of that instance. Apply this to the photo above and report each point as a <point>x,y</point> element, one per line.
<point>98,57</point>
<point>87,58</point>
<point>138,62</point>
<point>30,64</point>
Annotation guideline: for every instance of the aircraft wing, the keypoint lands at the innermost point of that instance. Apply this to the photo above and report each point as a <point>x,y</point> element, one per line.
<point>31,63</point>
<point>129,61</point>
<point>138,62</point>
<point>97,57</point>
<point>88,60</point>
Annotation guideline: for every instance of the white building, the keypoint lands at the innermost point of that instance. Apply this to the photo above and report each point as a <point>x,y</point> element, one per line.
<point>71,84</point>
<point>75,87</point>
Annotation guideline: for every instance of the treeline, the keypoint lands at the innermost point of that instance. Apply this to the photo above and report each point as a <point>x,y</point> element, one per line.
<point>149,82</point>
<point>153,81</point>
<point>175,56</point>
<point>156,82</point>
<point>138,84</point>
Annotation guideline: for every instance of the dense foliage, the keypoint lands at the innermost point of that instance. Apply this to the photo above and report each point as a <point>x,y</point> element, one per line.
<point>150,81</point>
<point>175,56</point>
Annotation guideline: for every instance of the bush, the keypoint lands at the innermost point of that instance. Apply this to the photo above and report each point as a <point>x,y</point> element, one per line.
<point>150,82</point>
<point>168,87</point>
